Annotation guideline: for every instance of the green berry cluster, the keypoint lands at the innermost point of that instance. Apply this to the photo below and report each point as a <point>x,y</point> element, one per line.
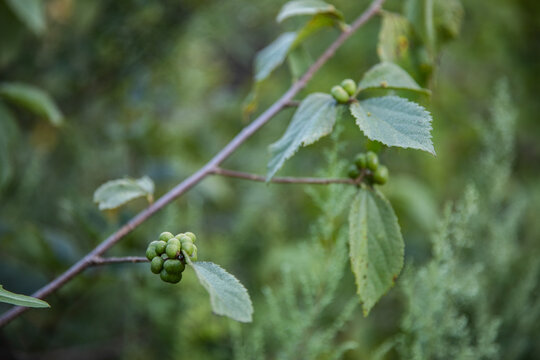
<point>166,255</point>
<point>343,92</point>
<point>368,164</point>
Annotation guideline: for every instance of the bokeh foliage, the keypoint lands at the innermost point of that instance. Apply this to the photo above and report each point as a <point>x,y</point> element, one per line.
<point>156,88</point>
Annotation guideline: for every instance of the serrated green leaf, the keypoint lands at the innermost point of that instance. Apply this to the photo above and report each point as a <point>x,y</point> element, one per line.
<point>116,193</point>
<point>395,39</point>
<point>228,296</point>
<point>30,12</point>
<point>21,300</point>
<point>390,76</point>
<point>307,7</point>
<point>269,58</point>
<point>32,99</point>
<point>394,121</point>
<point>314,118</point>
<point>376,246</point>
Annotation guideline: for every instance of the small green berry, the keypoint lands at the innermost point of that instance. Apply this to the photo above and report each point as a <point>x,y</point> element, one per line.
<point>184,238</point>
<point>174,266</point>
<point>156,265</point>
<point>380,176</point>
<point>192,236</point>
<point>165,236</point>
<point>361,161</point>
<point>188,247</point>
<point>172,250</point>
<point>339,94</point>
<point>349,86</point>
<point>372,160</point>
<point>160,247</point>
<point>174,241</point>
<point>151,252</point>
<point>353,172</point>
<point>170,278</point>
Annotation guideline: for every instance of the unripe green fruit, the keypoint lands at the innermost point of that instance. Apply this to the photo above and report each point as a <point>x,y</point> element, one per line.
<point>380,176</point>
<point>156,265</point>
<point>353,172</point>
<point>165,236</point>
<point>172,250</point>
<point>361,161</point>
<point>372,160</point>
<point>192,236</point>
<point>188,247</point>
<point>160,247</point>
<point>151,252</point>
<point>349,85</point>
<point>184,238</point>
<point>170,278</point>
<point>339,94</point>
<point>174,266</point>
<point>174,241</point>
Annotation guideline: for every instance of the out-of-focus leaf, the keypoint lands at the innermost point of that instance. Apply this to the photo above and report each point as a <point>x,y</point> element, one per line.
<point>9,135</point>
<point>394,121</point>
<point>21,300</point>
<point>420,14</point>
<point>314,118</point>
<point>116,193</point>
<point>395,39</point>
<point>391,76</point>
<point>299,61</point>
<point>30,12</point>
<point>228,296</point>
<point>32,99</point>
<point>376,246</point>
<point>448,15</point>
<point>413,198</point>
<point>269,58</point>
<point>307,7</point>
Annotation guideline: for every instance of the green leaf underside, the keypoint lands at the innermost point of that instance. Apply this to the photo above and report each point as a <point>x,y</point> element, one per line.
<point>394,121</point>
<point>228,296</point>
<point>314,118</point>
<point>376,246</point>
<point>33,99</point>
<point>21,300</point>
<point>390,76</point>
<point>273,55</point>
<point>30,12</point>
<point>307,7</point>
<point>116,193</point>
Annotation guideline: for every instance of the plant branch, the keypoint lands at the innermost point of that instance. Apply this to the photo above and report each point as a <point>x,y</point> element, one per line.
<point>98,260</point>
<point>207,169</point>
<point>282,180</point>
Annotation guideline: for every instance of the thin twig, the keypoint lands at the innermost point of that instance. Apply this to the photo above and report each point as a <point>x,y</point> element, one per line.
<point>98,260</point>
<point>194,179</point>
<point>292,103</point>
<point>282,180</point>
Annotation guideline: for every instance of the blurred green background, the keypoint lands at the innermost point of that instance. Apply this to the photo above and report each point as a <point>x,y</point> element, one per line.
<point>156,88</point>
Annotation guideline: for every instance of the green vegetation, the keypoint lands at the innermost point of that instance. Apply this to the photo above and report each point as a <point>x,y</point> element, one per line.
<point>421,244</point>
